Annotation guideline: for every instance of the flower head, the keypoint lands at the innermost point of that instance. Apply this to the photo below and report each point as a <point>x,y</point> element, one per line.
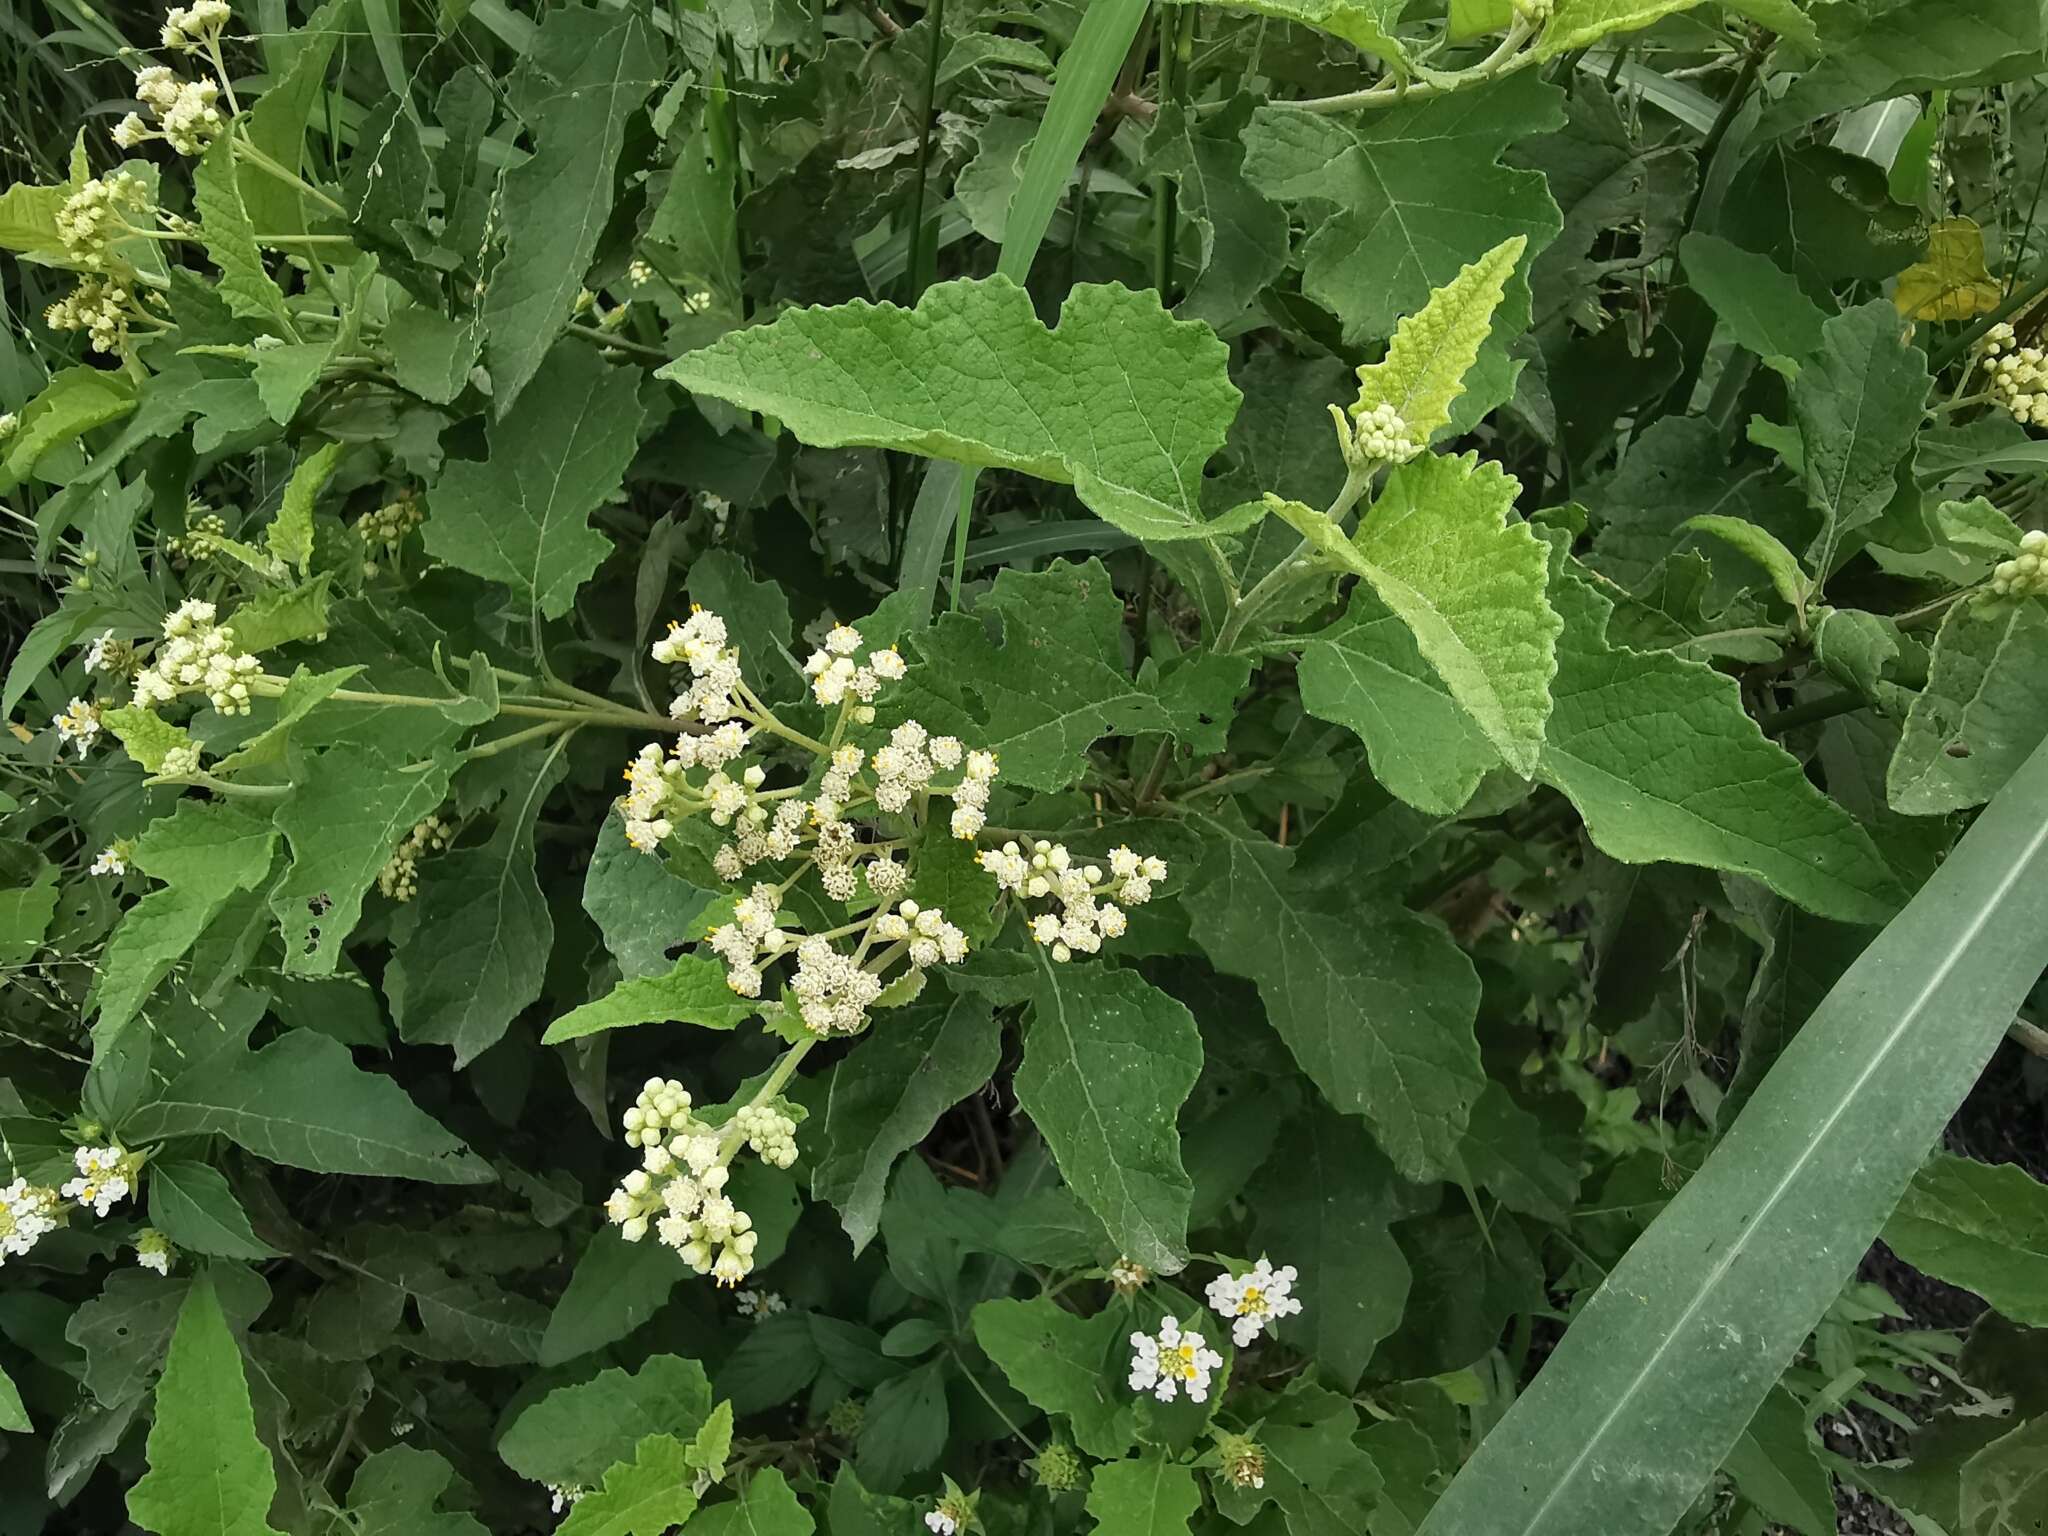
<point>1171,1363</point>
<point>28,1213</point>
<point>113,859</point>
<point>79,724</point>
<point>153,1250</point>
<point>1256,1299</point>
<point>104,1177</point>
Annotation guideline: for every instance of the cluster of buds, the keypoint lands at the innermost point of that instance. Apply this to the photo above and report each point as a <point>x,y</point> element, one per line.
<point>383,530</point>
<point>78,725</point>
<point>1242,1460</point>
<point>28,1214</point>
<point>679,1189</point>
<point>106,1175</point>
<point>108,654</point>
<point>1172,1362</point>
<point>90,222</point>
<point>101,306</point>
<point>1084,919</point>
<point>768,1133</point>
<point>201,539</point>
<point>836,677</point>
<point>928,937</point>
<point>187,112</point>
<point>1254,1300</point>
<point>198,655</point>
<point>701,644</point>
<point>190,28</point>
<point>2017,375</point>
<point>1378,433</point>
<point>1057,1468</point>
<point>399,878</point>
<point>2025,575</point>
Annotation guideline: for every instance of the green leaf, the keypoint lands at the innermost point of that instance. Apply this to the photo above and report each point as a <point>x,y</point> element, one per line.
<point>697,216</point>
<point>1150,1496</point>
<point>191,1204</point>
<point>303,692</point>
<point>1367,25</point>
<point>1979,1226</point>
<point>1757,300</point>
<point>290,535</point>
<point>28,899</point>
<point>1119,400</point>
<point>477,949</point>
<point>1912,47</point>
<point>1108,1061</point>
<point>146,736</point>
<point>204,853</point>
<point>1663,762</point>
<point>1243,237</point>
<point>73,403</point>
<point>642,1497</point>
<point>1056,681</point>
<point>1366,673</point>
<point>393,1493</point>
<point>1980,716</point>
<point>643,906</point>
<point>572,1435</point>
<point>1581,23</point>
<point>586,75</point>
<point>522,516</point>
<point>13,1412</point>
<point>906,1425</point>
<point>1418,192</point>
<point>616,1287</point>
<point>1762,546</point>
<point>1435,347</point>
<point>1823,215</point>
<point>208,1473</point>
<point>302,1101</point>
<point>348,811</point>
<point>276,124</point>
<point>885,1095</point>
<point>1325,1201</point>
<point>1775,1468</point>
<point>2003,1489</point>
<point>1661,1370</point>
<point>28,218</point>
<point>1064,1363</point>
<point>1375,1003</point>
<point>230,240</point>
<point>693,992</point>
<point>1859,406</point>
<point>768,1509</point>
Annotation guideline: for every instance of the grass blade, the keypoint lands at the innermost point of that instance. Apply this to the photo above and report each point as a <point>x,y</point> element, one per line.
<point>1664,1368</point>
<point>1081,84</point>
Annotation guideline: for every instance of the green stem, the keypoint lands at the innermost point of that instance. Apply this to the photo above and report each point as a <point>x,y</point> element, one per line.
<point>1846,702</point>
<point>995,1407</point>
<point>2018,300</point>
<point>921,268</point>
<point>592,334</point>
<point>1502,60</point>
<point>517,739</point>
<point>249,154</point>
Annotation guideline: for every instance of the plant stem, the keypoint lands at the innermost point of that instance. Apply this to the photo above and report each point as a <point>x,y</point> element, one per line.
<point>919,270</point>
<point>249,154</point>
<point>517,739</point>
<point>1846,702</point>
<point>2018,300</point>
<point>1502,60</point>
<point>592,334</point>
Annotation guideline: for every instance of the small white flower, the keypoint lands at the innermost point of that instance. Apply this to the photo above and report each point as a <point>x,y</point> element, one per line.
<point>113,860</point>
<point>153,1250</point>
<point>1256,1299</point>
<point>1172,1363</point>
<point>79,724</point>
<point>940,1523</point>
<point>103,1178</point>
<point>28,1213</point>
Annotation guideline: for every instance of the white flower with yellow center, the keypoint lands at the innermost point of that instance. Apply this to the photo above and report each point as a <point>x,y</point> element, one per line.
<point>1171,1363</point>
<point>1254,1300</point>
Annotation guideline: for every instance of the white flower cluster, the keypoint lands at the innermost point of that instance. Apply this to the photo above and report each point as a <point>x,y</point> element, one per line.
<point>90,221</point>
<point>1084,919</point>
<point>28,1213</point>
<point>112,860</point>
<point>382,530</point>
<point>751,939</point>
<point>99,307</point>
<point>1255,1300</point>
<point>399,878</point>
<point>187,112</point>
<point>198,25</point>
<point>10,423</point>
<point>931,939</point>
<point>110,655</point>
<point>2017,375</point>
<point>2025,575</point>
<point>105,1176</point>
<point>199,655</point>
<point>703,646</point>
<point>760,1305</point>
<point>153,1250</point>
<point>78,724</point>
<point>833,991</point>
<point>836,677</point>
<point>659,789</point>
<point>768,1132</point>
<point>680,1186</point>
<point>1171,1363</point>
<point>1380,433</point>
<point>564,1496</point>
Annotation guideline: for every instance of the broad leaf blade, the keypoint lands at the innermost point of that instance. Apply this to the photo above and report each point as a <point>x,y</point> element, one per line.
<point>1666,1365</point>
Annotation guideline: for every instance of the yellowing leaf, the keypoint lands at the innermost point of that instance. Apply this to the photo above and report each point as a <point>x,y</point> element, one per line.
<point>1434,348</point>
<point>1949,282</point>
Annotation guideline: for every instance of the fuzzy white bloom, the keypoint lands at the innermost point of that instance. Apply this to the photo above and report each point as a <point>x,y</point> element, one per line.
<point>108,654</point>
<point>99,306</point>
<point>28,1213</point>
<point>1256,1300</point>
<point>90,220</point>
<point>1171,1363</point>
<point>104,1175</point>
<point>198,655</point>
<point>112,860</point>
<point>940,1523</point>
<point>833,992</point>
<point>194,26</point>
<point>153,1250</point>
<point>2017,376</point>
<point>79,725</point>
<point>564,1496</point>
<point>1085,919</point>
<point>760,1305</point>
<point>1128,1275</point>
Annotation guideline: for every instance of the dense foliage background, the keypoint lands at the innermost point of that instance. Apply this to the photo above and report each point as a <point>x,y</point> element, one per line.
<point>1416,849</point>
